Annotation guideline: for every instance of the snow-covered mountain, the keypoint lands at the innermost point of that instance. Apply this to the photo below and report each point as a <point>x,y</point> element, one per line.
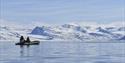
<point>6,33</point>
<point>77,32</point>
<point>12,33</point>
<point>64,32</point>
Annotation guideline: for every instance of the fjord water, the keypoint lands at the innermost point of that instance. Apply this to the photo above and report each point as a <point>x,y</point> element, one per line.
<point>63,52</point>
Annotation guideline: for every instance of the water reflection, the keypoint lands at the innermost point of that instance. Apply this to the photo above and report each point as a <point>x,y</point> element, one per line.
<point>24,50</point>
<point>21,50</point>
<point>63,52</point>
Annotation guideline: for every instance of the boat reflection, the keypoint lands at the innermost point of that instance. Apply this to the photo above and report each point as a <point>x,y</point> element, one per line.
<point>24,50</point>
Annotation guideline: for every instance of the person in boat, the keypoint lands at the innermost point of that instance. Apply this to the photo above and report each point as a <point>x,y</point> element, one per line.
<point>28,40</point>
<point>22,40</point>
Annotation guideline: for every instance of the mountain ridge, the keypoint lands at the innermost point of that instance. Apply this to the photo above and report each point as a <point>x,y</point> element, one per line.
<point>64,32</point>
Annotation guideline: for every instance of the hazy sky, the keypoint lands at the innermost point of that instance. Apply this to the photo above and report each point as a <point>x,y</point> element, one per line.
<point>62,11</point>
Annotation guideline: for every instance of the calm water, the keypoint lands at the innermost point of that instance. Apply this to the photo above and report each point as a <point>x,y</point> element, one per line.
<point>63,52</point>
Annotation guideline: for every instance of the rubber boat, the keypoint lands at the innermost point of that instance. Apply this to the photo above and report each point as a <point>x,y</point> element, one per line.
<point>28,43</point>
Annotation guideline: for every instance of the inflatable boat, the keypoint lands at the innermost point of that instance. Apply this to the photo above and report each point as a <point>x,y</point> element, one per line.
<point>28,43</point>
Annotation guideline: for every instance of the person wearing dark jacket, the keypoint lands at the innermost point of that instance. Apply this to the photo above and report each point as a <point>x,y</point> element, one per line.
<point>28,40</point>
<point>22,40</point>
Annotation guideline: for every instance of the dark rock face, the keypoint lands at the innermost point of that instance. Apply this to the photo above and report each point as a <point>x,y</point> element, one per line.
<point>38,31</point>
<point>96,34</point>
<point>121,29</point>
<point>76,28</point>
<point>103,30</point>
<point>123,38</point>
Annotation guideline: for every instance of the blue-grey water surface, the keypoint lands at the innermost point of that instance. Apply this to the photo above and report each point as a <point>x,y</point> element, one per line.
<point>63,52</point>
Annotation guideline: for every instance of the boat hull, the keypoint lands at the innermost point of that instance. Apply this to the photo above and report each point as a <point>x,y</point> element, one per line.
<point>31,43</point>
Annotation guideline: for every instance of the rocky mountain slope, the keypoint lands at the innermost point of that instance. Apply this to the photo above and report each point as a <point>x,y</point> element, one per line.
<point>64,32</point>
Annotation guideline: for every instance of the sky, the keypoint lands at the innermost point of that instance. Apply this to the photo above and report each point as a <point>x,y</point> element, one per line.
<point>62,11</point>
